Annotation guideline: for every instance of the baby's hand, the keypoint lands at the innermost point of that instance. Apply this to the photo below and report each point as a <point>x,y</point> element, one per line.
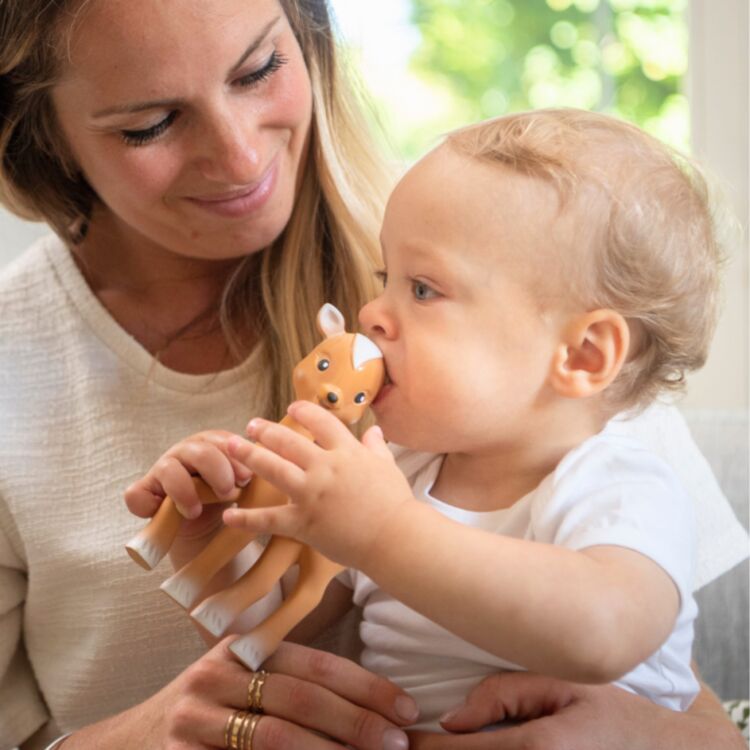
<point>204,454</point>
<point>341,491</point>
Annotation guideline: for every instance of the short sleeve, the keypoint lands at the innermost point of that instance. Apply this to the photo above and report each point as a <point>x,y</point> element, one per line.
<point>617,493</point>
<point>722,541</point>
<point>22,710</point>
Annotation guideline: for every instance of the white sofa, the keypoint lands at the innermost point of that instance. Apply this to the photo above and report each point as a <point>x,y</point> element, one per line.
<point>721,643</point>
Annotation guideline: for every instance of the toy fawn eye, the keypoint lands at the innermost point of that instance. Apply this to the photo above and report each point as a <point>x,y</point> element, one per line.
<point>323,365</point>
<point>360,398</point>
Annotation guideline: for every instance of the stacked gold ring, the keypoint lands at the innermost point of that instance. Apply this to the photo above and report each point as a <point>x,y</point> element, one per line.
<point>239,730</point>
<point>255,692</point>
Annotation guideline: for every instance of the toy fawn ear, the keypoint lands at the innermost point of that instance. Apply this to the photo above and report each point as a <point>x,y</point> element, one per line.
<point>591,354</point>
<point>330,321</point>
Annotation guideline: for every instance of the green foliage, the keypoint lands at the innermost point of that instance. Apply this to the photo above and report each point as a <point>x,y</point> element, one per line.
<point>625,57</point>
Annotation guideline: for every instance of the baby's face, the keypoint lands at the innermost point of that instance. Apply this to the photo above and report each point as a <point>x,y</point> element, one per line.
<point>466,344</point>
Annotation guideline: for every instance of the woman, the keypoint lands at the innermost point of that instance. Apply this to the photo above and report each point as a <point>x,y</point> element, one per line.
<point>210,187</point>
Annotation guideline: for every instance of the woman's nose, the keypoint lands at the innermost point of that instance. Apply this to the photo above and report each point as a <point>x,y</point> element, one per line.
<point>231,153</point>
<point>375,320</point>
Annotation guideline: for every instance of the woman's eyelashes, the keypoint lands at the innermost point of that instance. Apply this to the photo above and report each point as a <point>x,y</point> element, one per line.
<point>146,135</point>
<point>139,137</point>
<point>274,62</point>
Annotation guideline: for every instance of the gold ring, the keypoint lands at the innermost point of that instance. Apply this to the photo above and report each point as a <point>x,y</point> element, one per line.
<point>255,692</point>
<point>247,737</point>
<point>235,728</point>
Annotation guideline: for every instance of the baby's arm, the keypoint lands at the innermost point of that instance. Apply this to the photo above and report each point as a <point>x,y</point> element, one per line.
<point>588,615</point>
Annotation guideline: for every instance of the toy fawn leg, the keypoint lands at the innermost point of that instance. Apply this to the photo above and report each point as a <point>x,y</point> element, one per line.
<point>149,545</point>
<point>315,574</point>
<point>218,612</point>
<point>186,585</point>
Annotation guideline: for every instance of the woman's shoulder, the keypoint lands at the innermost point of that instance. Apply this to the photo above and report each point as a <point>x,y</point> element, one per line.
<point>29,279</point>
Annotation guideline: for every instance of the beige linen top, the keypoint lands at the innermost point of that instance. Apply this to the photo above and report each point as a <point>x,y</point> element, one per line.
<point>84,411</point>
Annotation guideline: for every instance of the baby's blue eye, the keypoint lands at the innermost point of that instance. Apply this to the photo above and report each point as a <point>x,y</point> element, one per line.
<point>422,291</point>
<point>360,398</point>
<point>323,365</point>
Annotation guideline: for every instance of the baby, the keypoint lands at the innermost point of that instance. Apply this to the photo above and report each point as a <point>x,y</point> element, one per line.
<point>545,272</point>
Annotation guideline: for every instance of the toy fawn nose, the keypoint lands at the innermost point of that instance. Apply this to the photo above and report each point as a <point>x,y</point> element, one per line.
<point>329,395</point>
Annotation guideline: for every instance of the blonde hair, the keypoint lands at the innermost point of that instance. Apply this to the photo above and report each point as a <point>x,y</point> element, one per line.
<point>654,253</point>
<point>329,248</point>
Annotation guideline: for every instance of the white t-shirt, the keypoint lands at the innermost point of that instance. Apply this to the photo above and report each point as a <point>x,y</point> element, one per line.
<point>609,490</point>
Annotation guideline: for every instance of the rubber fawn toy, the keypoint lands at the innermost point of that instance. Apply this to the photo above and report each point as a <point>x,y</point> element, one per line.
<point>343,374</point>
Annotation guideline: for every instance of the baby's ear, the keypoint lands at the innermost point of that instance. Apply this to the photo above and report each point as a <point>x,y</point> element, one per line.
<point>591,354</point>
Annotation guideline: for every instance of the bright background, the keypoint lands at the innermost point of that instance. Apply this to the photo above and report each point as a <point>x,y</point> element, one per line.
<point>431,67</point>
<point>678,68</point>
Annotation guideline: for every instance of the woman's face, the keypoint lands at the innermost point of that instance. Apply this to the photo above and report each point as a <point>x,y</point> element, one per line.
<point>189,119</point>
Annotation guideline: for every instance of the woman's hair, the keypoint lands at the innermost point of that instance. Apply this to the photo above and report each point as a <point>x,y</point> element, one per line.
<point>327,252</point>
<point>645,227</point>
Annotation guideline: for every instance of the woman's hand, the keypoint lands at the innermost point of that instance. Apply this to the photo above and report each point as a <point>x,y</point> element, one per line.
<point>559,715</point>
<point>311,700</point>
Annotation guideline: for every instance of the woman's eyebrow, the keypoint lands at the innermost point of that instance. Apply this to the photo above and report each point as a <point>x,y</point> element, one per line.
<point>169,103</point>
<point>254,44</point>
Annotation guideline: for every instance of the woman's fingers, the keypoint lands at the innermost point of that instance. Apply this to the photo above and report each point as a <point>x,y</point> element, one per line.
<point>317,708</point>
<point>510,695</point>
<point>271,733</point>
<point>536,700</point>
<point>346,679</point>
<point>304,692</point>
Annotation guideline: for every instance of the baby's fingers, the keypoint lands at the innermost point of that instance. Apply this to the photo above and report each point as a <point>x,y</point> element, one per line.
<point>278,471</point>
<point>178,483</point>
<point>144,497</point>
<point>281,521</point>
<point>284,442</point>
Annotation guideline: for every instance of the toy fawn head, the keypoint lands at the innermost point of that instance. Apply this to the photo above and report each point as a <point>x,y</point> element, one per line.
<point>343,373</point>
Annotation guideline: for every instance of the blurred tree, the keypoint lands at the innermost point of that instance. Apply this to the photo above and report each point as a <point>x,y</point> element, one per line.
<point>625,57</point>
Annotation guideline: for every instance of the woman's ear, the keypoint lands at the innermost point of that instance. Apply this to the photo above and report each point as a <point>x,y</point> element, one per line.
<point>591,354</point>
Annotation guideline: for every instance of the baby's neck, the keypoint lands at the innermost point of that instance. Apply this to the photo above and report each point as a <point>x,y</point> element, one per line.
<point>498,477</point>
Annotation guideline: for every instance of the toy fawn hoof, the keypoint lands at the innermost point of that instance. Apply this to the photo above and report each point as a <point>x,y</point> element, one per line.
<point>144,552</point>
<point>213,617</point>
<point>252,651</point>
<point>182,590</point>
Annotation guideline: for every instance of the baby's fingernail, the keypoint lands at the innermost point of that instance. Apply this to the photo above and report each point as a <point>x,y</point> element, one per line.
<point>192,512</point>
<point>395,739</point>
<point>243,482</point>
<point>407,708</point>
<point>449,716</point>
<point>252,425</point>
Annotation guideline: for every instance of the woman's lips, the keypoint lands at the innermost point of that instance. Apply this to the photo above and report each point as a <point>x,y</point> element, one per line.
<point>242,201</point>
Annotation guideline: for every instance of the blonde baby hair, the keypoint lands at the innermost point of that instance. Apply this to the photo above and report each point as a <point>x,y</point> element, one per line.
<point>652,249</point>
